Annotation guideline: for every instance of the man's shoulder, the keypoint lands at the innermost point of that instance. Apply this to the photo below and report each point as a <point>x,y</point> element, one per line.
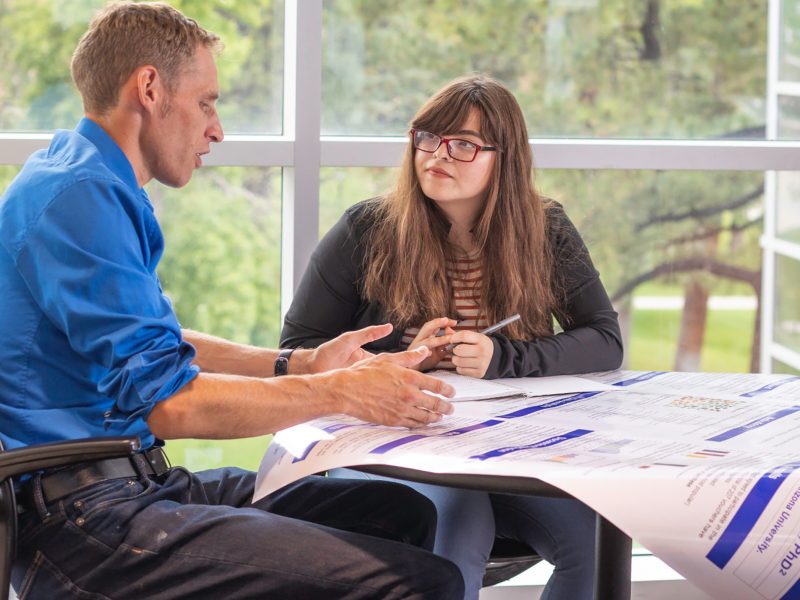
<point>69,171</point>
<point>70,160</point>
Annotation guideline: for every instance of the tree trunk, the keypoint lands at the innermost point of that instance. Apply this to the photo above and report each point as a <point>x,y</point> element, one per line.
<point>693,327</point>
<point>755,351</point>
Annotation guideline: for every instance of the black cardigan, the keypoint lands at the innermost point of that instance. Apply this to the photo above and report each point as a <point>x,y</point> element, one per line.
<point>329,302</point>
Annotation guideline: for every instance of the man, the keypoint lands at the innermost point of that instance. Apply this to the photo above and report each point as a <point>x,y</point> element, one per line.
<point>91,347</point>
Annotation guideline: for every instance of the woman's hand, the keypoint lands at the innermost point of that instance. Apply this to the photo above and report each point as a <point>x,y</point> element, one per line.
<point>427,337</point>
<point>472,354</point>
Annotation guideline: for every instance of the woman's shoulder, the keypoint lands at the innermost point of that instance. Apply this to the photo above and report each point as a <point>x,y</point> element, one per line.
<point>363,215</point>
<point>553,210</point>
<point>558,223</point>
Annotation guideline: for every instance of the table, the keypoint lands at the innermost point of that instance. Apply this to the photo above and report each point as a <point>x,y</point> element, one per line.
<point>701,468</point>
<point>612,579</point>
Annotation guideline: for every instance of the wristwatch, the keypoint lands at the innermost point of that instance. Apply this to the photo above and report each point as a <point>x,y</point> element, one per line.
<point>282,362</point>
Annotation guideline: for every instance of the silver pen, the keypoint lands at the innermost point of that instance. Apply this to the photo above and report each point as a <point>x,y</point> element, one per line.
<point>497,326</point>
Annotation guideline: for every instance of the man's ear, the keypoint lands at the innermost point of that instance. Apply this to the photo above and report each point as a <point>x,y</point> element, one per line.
<point>149,88</point>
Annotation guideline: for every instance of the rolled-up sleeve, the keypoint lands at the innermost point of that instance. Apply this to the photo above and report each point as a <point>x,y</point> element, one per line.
<point>89,261</point>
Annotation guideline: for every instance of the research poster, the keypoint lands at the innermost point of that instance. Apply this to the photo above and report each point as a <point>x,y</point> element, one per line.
<point>702,469</point>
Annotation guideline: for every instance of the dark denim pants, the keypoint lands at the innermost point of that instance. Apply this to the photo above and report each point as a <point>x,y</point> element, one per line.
<point>561,530</point>
<point>198,536</point>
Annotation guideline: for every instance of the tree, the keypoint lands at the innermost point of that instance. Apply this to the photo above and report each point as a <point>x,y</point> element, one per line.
<point>617,68</point>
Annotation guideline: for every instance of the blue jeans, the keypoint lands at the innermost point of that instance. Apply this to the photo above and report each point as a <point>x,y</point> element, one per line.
<point>198,536</point>
<point>561,530</point>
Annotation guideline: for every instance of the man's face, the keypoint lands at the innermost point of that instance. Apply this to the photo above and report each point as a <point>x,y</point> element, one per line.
<point>186,124</point>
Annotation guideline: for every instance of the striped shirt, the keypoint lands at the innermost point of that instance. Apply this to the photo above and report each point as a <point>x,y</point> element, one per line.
<point>467,279</point>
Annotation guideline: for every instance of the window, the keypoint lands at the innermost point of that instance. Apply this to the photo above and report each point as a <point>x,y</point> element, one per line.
<point>579,68</point>
<point>37,40</point>
<point>221,267</point>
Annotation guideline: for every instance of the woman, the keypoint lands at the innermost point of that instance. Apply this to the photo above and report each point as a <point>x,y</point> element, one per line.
<point>462,242</point>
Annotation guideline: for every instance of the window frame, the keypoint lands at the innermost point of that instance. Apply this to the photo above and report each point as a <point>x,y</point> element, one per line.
<point>301,152</point>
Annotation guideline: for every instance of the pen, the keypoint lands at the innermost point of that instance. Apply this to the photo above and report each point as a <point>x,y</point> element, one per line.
<point>500,324</point>
<point>496,327</point>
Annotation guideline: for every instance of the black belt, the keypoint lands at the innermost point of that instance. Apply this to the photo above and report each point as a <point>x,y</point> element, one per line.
<point>57,484</point>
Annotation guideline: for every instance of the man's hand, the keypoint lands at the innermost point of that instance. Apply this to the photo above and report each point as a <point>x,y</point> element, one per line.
<point>346,349</point>
<point>385,389</point>
<point>472,354</point>
<point>427,337</point>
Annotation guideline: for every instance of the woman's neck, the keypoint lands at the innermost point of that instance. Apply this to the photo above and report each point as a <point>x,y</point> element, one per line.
<point>461,236</point>
<point>462,217</point>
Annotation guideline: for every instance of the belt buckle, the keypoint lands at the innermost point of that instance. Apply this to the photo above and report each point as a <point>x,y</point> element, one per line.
<point>157,459</point>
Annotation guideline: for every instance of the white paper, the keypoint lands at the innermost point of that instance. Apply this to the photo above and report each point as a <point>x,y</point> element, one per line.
<point>702,469</point>
<point>470,388</point>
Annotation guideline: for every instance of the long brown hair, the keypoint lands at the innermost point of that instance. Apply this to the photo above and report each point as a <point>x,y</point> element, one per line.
<point>407,249</point>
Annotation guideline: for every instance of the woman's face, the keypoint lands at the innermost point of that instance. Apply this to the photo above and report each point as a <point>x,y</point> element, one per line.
<point>449,182</point>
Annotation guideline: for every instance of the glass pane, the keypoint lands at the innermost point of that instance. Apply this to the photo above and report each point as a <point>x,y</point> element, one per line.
<point>198,455</point>
<point>221,266</point>
<point>662,241</point>
<point>781,367</point>
<point>787,222</point>
<point>7,174</point>
<point>788,117</point>
<point>579,68</point>
<point>787,302</point>
<point>221,269</point>
<point>790,41</point>
<point>341,188</point>
<point>37,38</point>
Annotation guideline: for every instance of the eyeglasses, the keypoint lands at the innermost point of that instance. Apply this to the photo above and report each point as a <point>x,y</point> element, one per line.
<point>458,149</point>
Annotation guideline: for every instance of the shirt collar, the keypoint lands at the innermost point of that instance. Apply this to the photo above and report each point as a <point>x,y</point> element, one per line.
<point>112,154</point>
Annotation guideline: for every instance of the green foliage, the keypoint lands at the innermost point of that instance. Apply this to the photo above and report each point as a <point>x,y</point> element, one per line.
<point>577,68</point>
<point>340,189</point>
<point>7,174</point>
<point>221,267</point>
<point>37,38</point>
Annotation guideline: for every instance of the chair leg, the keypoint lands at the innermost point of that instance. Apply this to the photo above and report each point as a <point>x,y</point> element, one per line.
<point>612,578</point>
<point>8,535</point>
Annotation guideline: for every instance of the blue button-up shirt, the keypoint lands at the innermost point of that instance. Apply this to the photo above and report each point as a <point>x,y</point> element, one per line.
<point>88,341</point>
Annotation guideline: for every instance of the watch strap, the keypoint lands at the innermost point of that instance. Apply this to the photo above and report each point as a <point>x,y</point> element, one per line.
<point>282,362</point>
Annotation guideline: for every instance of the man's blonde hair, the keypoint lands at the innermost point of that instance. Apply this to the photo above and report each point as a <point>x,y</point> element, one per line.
<point>125,36</point>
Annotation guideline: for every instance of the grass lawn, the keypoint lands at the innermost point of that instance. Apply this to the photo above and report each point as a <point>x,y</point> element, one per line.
<point>197,455</point>
<point>728,339</point>
<point>654,335</point>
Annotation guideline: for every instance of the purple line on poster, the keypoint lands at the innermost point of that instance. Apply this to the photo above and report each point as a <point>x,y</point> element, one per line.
<point>452,433</point>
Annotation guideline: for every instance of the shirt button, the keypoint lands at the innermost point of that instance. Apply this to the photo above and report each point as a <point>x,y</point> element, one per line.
<point>80,521</point>
<point>78,504</point>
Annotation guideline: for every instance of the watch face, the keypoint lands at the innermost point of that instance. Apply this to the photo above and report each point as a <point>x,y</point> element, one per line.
<point>282,362</point>
<point>281,366</point>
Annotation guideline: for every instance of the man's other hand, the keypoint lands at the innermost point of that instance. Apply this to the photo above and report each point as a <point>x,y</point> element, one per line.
<point>385,389</point>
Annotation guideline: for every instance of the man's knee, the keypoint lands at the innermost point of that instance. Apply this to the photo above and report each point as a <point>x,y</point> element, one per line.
<point>411,515</point>
<point>440,579</point>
